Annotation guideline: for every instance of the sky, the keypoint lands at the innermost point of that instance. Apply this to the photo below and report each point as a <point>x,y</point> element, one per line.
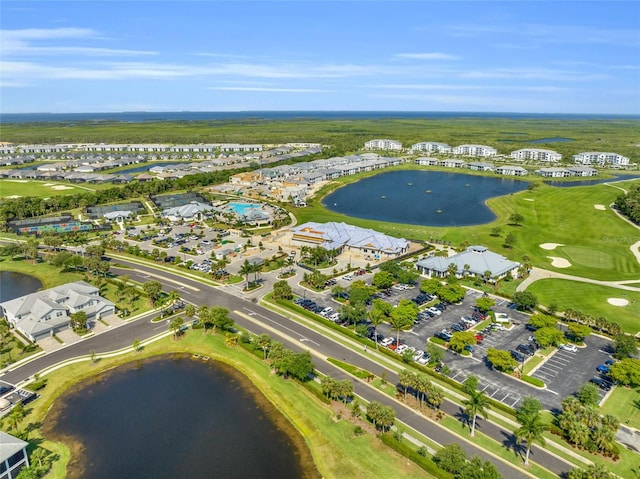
<point>497,56</point>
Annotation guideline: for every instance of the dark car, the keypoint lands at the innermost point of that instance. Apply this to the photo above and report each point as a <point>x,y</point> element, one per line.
<point>525,349</point>
<point>603,368</point>
<point>601,383</point>
<point>457,327</point>
<point>444,336</point>
<point>517,355</point>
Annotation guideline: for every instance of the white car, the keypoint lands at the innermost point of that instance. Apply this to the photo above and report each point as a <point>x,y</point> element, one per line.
<point>424,359</point>
<point>347,277</point>
<point>568,347</point>
<point>402,348</point>
<point>435,311</point>
<point>418,354</point>
<point>386,341</point>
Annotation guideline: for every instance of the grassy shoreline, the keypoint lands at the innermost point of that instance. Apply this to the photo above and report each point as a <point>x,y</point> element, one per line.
<point>331,443</point>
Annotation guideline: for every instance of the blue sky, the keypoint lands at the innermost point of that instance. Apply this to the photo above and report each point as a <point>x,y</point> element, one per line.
<point>516,56</point>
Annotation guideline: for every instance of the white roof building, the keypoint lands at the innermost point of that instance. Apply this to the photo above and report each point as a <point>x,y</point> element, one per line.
<point>191,211</point>
<point>511,170</point>
<point>536,154</point>
<point>382,144</point>
<point>341,236</point>
<point>600,158</point>
<point>474,150</point>
<point>13,455</point>
<point>40,314</point>
<point>431,147</point>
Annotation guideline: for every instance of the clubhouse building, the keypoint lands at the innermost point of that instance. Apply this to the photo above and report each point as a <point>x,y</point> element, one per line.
<point>475,261</point>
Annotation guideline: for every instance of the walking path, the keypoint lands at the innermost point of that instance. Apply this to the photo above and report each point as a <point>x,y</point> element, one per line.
<point>540,273</point>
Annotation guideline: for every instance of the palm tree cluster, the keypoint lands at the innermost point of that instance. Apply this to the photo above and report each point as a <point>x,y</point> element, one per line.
<point>421,387</point>
<point>317,256</point>
<point>337,389</point>
<point>382,417</point>
<point>600,323</point>
<point>583,426</point>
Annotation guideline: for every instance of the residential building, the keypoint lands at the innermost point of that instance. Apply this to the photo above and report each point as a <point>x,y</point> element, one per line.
<point>46,312</point>
<point>480,166</point>
<point>475,150</point>
<point>600,158</point>
<point>431,147</point>
<point>583,171</point>
<point>193,211</point>
<point>553,172</point>
<point>383,145</point>
<point>474,261</point>
<point>427,161</point>
<point>511,170</point>
<point>343,237</point>
<point>536,154</point>
<point>452,163</point>
<point>13,456</point>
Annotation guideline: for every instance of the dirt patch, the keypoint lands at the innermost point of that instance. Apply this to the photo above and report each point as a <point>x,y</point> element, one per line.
<point>550,246</point>
<point>557,262</point>
<point>618,301</point>
<point>600,207</point>
<point>61,187</point>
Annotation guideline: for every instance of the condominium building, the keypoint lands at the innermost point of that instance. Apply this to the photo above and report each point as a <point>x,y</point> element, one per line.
<point>431,147</point>
<point>600,158</point>
<point>381,144</point>
<point>536,154</point>
<point>474,150</point>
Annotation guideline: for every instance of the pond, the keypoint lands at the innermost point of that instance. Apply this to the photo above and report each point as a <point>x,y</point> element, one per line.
<point>428,198</point>
<point>567,184</point>
<point>13,285</point>
<point>176,417</point>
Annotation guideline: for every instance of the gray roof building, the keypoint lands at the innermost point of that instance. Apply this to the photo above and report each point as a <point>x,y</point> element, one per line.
<point>478,259</point>
<point>13,455</point>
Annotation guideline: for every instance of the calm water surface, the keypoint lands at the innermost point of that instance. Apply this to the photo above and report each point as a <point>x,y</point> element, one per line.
<point>429,198</point>
<point>567,184</point>
<point>174,417</point>
<point>13,285</point>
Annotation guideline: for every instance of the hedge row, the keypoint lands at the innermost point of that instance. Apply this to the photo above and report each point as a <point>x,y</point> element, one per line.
<point>408,452</point>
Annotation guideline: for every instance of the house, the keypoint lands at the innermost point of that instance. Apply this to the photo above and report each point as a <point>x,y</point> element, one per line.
<point>451,163</point>
<point>480,166</point>
<point>43,313</point>
<point>13,455</point>
<point>343,237</point>
<point>426,161</point>
<point>582,171</point>
<point>431,147</point>
<point>553,172</point>
<point>511,170</point>
<point>474,261</point>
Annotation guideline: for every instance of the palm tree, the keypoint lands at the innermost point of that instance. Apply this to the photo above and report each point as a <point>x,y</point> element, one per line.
<point>245,270</point>
<point>422,385</point>
<point>173,297</point>
<point>466,270</point>
<point>476,404</point>
<point>405,378</point>
<point>531,430</point>
<point>290,261</point>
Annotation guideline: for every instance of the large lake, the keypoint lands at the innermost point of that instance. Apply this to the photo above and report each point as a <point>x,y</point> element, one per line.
<point>176,417</point>
<point>429,198</point>
<point>13,285</point>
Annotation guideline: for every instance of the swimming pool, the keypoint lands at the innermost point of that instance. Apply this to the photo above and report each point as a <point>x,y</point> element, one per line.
<point>241,209</point>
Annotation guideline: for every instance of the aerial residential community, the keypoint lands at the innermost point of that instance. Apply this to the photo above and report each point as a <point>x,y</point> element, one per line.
<point>342,240</point>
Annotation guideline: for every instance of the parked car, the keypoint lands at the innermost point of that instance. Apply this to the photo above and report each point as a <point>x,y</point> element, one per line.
<point>347,277</point>
<point>601,383</point>
<point>603,368</point>
<point>424,359</point>
<point>469,348</point>
<point>525,349</point>
<point>518,356</point>
<point>402,348</point>
<point>386,341</point>
<point>568,347</point>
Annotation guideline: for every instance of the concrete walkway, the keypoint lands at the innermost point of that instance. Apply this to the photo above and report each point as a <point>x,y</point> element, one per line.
<point>540,273</point>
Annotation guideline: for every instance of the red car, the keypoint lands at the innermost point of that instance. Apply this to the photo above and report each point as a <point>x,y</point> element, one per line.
<point>479,337</point>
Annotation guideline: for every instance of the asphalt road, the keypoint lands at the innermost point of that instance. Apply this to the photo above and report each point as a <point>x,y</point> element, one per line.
<point>281,328</point>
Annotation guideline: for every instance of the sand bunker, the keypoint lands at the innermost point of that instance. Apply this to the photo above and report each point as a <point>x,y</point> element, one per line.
<point>528,199</point>
<point>550,246</point>
<point>559,262</point>
<point>618,301</point>
<point>61,187</point>
<point>49,184</point>
<point>13,197</point>
<point>600,207</point>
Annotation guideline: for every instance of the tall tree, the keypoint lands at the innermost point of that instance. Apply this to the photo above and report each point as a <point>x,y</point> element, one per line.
<point>532,428</point>
<point>477,403</point>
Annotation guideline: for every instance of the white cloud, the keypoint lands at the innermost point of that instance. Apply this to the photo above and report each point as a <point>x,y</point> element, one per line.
<point>533,74</point>
<point>440,87</point>
<point>47,33</point>
<point>428,56</point>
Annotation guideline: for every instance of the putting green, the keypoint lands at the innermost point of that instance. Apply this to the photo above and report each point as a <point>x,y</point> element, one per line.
<point>585,256</point>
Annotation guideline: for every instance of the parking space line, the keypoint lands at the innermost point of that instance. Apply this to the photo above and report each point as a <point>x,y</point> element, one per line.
<point>494,393</point>
<point>515,402</point>
<point>552,392</point>
<point>505,397</point>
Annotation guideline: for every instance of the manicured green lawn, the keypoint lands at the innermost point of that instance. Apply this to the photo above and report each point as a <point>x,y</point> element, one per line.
<point>624,403</point>
<point>590,299</point>
<point>43,188</point>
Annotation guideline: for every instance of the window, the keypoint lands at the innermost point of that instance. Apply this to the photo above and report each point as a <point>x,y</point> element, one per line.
<point>16,458</point>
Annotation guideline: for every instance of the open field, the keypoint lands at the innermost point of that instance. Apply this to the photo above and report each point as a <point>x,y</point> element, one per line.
<point>619,135</point>
<point>624,403</point>
<point>335,450</point>
<point>12,188</point>
<point>49,275</point>
<point>590,299</point>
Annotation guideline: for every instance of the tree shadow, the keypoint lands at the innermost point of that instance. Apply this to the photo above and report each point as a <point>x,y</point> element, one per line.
<point>464,418</point>
<point>511,442</point>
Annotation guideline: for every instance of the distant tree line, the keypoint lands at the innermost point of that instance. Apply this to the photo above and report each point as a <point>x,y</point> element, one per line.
<point>629,204</point>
